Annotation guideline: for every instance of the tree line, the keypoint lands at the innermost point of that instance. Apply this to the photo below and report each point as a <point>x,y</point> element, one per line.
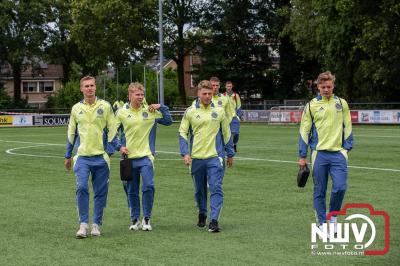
<point>237,40</point>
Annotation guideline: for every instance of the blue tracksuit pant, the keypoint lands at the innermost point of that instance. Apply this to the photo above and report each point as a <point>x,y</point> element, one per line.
<point>98,168</point>
<point>140,167</point>
<point>334,164</point>
<point>235,129</point>
<point>209,171</point>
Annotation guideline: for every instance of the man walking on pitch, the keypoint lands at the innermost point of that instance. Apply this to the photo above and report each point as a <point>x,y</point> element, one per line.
<point>219,99</point>
<point>235,108</point>
<point>326,128</point>
<point>205,128</point>
<point>92,129</point>
<point>138,122</point>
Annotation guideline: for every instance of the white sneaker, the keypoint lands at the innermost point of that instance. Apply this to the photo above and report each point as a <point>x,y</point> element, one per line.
<point>146,226</point>
<point>135,225</point>
<point>83,231</point>
<point>95,230</point>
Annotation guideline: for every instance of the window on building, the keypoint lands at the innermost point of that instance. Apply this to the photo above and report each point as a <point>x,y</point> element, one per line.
<point>37,86</point>
<point>48,86</point>
<point>29,86</point>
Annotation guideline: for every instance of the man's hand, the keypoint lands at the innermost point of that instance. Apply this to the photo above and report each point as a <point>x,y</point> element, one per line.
<point>154,107</point>
<point>187,159</point>
<point>302,162</point>
<point>68,163</point>
<point>124,150</point>
<point>229,161</point>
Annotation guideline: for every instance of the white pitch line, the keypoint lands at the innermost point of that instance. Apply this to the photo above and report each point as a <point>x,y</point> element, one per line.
<point>375,136</point>
<point>9,151</point>
<point>28,142</point>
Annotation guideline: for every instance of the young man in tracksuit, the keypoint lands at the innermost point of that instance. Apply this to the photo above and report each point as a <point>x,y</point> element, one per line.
<point>138,122</point>
<point>219,99</point>
<point>235,105</point>
<point>205,128</point>
<point>92,129</point>
<point>326,128</point>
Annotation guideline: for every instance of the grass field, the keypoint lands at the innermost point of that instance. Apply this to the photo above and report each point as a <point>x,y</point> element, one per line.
<point>266,219</point>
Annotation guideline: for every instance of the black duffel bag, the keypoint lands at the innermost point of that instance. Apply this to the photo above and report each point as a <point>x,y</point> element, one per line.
<point>125,168</point>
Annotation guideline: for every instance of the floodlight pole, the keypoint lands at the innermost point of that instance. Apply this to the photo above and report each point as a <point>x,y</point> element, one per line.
<point>117,84</point>
<point>160,35</point>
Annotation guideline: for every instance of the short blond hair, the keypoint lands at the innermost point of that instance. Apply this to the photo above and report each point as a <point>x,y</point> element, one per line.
<point>324,76</point>
<point>87,78</point>
<point>135,86</point>
<point>204,84</point>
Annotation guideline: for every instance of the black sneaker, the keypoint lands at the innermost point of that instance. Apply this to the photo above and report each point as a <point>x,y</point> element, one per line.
<point>213,227</point>
<point>202,220</point>
<point>234,147</point>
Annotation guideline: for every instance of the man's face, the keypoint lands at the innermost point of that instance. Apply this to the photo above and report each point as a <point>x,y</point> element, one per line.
<point>136,97</point>
<point>88,88</point>
<point>205,96</point>
<point>228,87</point>
<point>326,88</point>
<point>215,86</point>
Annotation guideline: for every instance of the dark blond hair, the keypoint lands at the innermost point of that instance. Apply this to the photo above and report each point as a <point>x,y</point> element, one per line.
<point>204,84</point>
<point>135,86</point>
<point>86,78</point>
<point>324,76</point>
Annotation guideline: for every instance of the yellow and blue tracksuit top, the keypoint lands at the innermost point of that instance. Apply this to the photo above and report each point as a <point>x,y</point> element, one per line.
<point>207,130</point>
<point>117,104</point>
<point>221,101</point>
<point>325,126</point>
<point>138,128</point>
<point>91,129</point>
<point>234,104</point>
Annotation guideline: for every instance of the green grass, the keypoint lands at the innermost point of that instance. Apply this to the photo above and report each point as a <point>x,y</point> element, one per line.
<point>265,220</point>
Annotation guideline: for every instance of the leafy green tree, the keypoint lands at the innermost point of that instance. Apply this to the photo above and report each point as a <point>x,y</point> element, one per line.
<point>23,34</point>
<point>171,92</point>
<point>294,72</point>
<point>66,97</point>
<point>116,31</point>
<point>239,47</point>
<point>62,49</point>
<point>182,35</point>
<point>355,39</point>
<point>5,100</point>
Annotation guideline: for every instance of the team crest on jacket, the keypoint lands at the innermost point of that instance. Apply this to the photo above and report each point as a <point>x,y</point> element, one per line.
<point>214,115</point>
<point>338,106</point>
<point>145,115</point>
<point>100,111</point>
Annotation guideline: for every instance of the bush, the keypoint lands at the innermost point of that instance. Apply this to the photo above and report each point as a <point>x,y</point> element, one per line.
<point>5,100</point>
